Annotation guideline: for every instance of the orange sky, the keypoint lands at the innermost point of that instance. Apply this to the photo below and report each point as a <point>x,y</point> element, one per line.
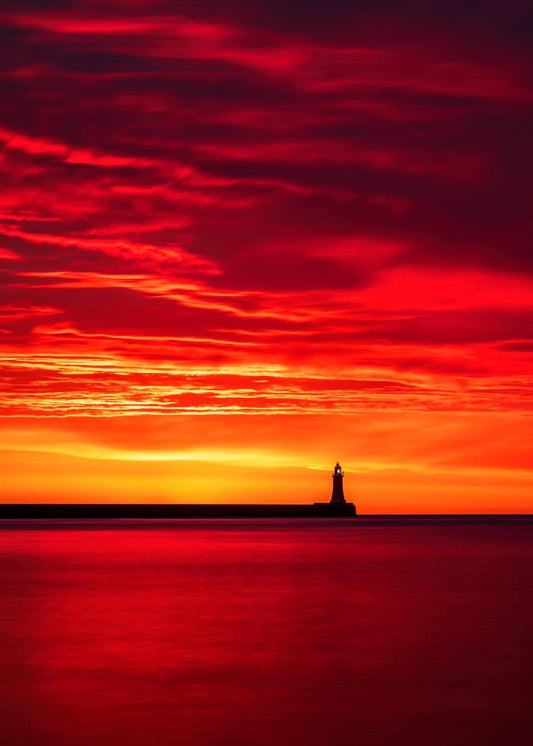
<point>394,462</point>
<point>234,250</point>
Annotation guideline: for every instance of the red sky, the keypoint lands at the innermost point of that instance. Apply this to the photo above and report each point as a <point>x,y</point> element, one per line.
<point>242,240</point>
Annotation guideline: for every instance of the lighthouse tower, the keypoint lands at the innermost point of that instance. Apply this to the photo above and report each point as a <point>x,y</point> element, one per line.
<point>337,496</point>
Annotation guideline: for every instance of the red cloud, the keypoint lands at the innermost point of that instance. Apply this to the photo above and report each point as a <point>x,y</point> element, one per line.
<point>222,215</point>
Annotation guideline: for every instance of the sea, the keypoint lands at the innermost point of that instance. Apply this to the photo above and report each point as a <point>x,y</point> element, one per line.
<point>308,632</point>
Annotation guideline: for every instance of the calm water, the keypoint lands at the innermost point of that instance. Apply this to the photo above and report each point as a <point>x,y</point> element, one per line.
<point>266,632</point>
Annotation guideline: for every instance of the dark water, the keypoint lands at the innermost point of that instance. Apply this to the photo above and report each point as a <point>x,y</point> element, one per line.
<point>266,632</point>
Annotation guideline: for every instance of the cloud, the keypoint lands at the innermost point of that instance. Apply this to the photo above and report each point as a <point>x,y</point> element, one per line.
<point>226,214</point>
<point>9,256</point>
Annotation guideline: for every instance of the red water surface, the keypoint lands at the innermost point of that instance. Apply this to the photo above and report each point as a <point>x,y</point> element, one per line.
<point>266,632</point>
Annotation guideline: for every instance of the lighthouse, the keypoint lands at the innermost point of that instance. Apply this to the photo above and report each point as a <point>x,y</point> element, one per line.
<point>337,506</point>
<point>337,495</point>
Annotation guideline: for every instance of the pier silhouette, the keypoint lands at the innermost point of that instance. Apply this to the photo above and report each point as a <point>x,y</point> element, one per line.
<point>336,508</point>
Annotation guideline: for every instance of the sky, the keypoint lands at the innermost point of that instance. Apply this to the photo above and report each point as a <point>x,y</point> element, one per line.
<point>240,241</point>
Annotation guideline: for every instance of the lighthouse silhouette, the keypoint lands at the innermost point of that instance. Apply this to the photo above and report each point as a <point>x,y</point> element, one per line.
<point>337,495</point>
